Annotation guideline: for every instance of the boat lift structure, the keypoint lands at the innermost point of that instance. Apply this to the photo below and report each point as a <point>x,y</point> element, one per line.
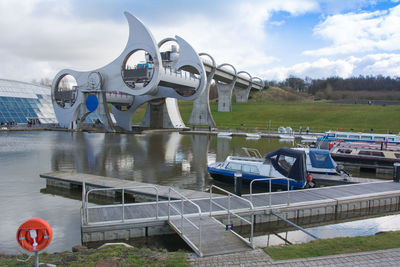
<point>164,78</point>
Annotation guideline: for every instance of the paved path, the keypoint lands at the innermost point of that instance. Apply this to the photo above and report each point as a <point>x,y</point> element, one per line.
<point>257,257</point>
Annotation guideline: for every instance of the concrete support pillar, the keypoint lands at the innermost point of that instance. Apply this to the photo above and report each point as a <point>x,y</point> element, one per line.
<point>225,92</point>
<point>201,112</point>
<point>242,95</point>
<point>124,118</point>
<point>101,108</point>
<point>105,112</point>
<point>163,114</point>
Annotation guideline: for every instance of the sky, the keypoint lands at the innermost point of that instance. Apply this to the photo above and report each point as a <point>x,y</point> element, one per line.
<point>270,39</point>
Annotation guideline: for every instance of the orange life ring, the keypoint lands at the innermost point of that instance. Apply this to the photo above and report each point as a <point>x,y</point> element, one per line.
<point>39,227</point>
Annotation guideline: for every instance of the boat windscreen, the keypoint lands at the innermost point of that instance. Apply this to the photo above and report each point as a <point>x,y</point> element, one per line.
<point>321,159</point>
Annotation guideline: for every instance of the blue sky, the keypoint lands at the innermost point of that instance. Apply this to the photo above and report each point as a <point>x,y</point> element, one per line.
<point>271,39</point>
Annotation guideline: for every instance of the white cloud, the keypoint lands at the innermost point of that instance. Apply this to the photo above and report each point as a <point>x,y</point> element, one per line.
<point>375,64</point>
<point>236,36</point>
<point>277,23</point>
<point>40,44</point>
<point>47,32</point>
<point>359,32</point>
<point>41,37</point>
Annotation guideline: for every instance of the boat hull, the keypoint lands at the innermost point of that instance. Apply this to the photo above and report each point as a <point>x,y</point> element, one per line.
<point>226,176</point>
<point>367,161</point>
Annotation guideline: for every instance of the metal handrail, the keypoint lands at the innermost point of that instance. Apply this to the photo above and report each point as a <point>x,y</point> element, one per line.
<point>230,212</point>
<point>183,198</point>
<point>269,194</point>
<point>122,202</point>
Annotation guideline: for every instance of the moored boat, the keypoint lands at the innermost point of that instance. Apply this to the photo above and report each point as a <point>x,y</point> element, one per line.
<point>253,136</point>
<point>366,154</point>
<point>286,136</point>
<point>224,134</point>
<point>319,161</point>
<point>309,137</point>
<point>360,137</point>
<point>285,163</point>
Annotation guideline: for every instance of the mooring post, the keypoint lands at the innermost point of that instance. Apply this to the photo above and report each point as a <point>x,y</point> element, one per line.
<point>396,172</point>
<point>238,183</point>
<point>36,259</point>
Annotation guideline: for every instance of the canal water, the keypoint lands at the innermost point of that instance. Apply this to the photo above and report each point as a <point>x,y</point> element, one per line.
<point>160,158</point>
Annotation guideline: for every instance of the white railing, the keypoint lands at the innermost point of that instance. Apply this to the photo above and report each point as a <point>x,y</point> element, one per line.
<point>179,74</point>
<point>84,205</point>
<point>252,152</point>
<point>230,212</point>
<point>269,194</point>
<point>181,212</point>
<point>123,206</point>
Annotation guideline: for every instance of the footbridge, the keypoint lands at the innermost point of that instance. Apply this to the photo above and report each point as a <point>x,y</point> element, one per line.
<point>158,74</point>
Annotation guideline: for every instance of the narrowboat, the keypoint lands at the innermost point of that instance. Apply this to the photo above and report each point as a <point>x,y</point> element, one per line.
<point>360,137</point>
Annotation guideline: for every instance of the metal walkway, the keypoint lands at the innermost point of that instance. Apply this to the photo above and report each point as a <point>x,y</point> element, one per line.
<point>193,219</point>
<point>142,212</point>
<point>214,239</point>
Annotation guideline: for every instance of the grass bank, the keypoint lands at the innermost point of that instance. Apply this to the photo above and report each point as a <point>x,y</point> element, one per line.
<point>342,245</point>
<point>107,256</point>
<point>319,116</point>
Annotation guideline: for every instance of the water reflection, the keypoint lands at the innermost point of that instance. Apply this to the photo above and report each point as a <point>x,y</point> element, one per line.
<point>152,158</point>
<point>347,229</point>
<point>160,158</point>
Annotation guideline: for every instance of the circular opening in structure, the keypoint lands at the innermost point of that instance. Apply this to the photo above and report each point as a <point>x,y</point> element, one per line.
<point>187,77</point>
<point>138,69</point>
<point>66,91</point>
<point>169,51</point>
<point>190,80</point>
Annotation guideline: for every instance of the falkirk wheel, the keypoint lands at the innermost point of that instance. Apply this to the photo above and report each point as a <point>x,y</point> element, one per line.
<point>160,79</point>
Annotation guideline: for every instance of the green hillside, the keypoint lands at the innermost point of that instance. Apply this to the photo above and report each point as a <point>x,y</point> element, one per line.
<point>263,113</point>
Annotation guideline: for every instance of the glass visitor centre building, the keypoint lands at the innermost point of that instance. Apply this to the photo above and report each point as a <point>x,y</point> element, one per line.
<point>25,103</point>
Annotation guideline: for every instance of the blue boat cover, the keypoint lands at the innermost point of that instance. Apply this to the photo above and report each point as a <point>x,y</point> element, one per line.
<point>295,168</point>
<point>320,158</point>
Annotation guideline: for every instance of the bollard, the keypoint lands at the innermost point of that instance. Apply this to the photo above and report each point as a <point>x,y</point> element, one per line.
<point>396,172</point>
<point>238,183</point>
